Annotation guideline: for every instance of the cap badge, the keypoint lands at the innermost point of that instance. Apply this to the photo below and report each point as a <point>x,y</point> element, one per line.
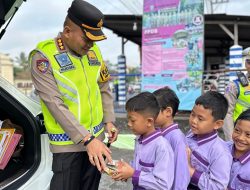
<point>100,23</point>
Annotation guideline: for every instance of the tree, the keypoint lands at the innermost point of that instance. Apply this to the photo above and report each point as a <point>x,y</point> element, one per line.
<point>133,70</point>
<point>23,61</point>
<point>17,70</point>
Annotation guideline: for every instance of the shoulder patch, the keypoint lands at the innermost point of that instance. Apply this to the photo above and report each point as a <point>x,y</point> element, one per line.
<point>247,87</point>
<point>42,65</point>
<point>104,73</point>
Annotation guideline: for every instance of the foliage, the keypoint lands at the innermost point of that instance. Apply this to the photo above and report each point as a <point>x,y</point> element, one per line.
<point>133,70</point>
<point>17,70</point>
<point>23,61</point>
<point>23,64</point>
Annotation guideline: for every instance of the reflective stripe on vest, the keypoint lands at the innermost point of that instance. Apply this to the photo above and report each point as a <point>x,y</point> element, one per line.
<point>68,88</point>
<point>79,91</point>
<point>65,137</point>
<point>244,104</point>
<point>243,100</point>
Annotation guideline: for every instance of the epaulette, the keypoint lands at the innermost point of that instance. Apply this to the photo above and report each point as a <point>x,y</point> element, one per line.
<point>59,44</point>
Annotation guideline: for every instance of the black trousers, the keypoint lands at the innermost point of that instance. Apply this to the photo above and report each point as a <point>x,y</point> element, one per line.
<point>73,171</point>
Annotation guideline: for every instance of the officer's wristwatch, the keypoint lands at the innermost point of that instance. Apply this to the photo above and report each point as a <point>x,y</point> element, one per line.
<point>87,139</point>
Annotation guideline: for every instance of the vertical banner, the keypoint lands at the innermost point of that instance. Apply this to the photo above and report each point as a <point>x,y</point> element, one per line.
<point>235,61</point>
<point>122,79</point>
<point>172,48</point>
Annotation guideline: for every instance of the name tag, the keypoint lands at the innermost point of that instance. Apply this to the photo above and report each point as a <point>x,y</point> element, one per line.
<point>246,92</point>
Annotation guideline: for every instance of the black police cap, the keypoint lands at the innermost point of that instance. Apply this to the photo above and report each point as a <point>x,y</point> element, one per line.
<point>88,17</point>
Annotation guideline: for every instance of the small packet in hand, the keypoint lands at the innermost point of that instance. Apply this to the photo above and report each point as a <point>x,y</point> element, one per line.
<point>111,167</point>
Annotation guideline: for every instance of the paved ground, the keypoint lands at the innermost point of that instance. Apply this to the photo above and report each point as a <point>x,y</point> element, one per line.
<point>106,182</point>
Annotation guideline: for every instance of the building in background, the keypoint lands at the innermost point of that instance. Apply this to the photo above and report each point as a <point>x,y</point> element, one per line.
<point>6,68</point>
<point>23,82</point>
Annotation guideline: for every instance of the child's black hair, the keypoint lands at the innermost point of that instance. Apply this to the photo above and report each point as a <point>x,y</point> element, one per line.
<point>167,98</point>
<point>144,103</point>
<point>214,101</point>
<point>245,115</point>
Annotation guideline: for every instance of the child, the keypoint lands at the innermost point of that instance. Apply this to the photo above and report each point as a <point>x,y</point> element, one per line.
<point>169,104</point>
<point>210,160</point>
<point>153,163</point>
<point>240,171</point>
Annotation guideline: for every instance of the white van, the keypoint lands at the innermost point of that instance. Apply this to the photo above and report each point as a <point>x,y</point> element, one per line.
<point>32,168</point>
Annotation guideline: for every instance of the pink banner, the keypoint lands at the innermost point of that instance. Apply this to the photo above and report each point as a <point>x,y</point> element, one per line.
<point>172,47</point>
<point>152,60</point>
<point>154,5</point>
<point>172,59</point>
<point>153,34</point>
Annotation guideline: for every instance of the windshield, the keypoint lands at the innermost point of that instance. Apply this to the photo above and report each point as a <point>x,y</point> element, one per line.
<point>7,9</point>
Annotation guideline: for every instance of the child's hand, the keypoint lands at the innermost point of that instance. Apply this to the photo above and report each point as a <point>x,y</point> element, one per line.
<point>190,167</point>
<point>124,171</point>
<point>189,152</point>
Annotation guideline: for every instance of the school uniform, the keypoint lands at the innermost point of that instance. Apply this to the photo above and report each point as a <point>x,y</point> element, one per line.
<point>153,163</point>
<point>240,171</point>
<point>212,161</point>
<point>178,143</point>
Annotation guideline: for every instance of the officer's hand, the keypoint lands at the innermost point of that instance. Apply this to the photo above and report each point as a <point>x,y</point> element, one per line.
<point>112,132</point>
<point>96,150</point>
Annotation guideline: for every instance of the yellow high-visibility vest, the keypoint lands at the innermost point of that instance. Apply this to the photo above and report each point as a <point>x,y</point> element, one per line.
<point>77,81</point>
<point>243,101</point>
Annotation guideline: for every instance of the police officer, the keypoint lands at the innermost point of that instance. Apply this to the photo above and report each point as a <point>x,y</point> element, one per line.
<point>71,79</point>
<point>116,85</point>
<point>238,96</point>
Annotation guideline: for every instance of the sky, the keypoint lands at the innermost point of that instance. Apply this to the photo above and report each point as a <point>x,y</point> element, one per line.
<point>38,20</point>
<point>234,7</point>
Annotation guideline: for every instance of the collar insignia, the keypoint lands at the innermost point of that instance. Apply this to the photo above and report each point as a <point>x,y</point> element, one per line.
<point>60,44</point>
